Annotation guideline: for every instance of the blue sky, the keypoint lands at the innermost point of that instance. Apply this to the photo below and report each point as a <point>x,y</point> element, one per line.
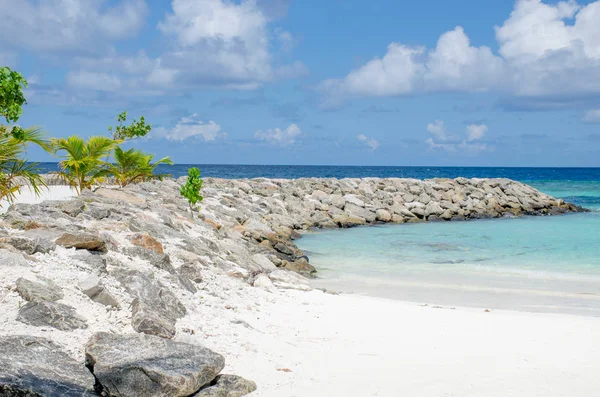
<point>355,82</point>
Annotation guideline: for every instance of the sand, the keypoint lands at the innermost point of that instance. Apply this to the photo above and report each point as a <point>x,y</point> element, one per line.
<point>313,344</point>
<point>27,196</point>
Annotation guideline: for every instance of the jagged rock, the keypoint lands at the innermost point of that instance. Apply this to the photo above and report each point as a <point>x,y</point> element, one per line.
<point>161,261</point>
<point>86,241</point>
<point>157,308</point>
<point>301,266</point>
<point>148,242</point>
<point>51,314</point>
<point>148,321</point>
<point>147,366</point>
<point>32,366</point>
<point>227,386</point>
<point>354,200</point>
<point>337,201</point>
<point>44,290</point>
<point>72,207</point>
<point>322,220</point>
<point>289,280</point>
<point>383,215</point>
<point>93,259</point>
<point>434,209</point>
<point>263,262</point>
<point>96,291</point>
<point>32,245</point>
<point>98,213</point>
<point>345,220</point>
<point>12,259</point>
<point>191,271</point>
<point>360,212</point>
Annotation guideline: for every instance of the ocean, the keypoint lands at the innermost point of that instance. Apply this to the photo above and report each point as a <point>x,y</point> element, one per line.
<point>545,264</point>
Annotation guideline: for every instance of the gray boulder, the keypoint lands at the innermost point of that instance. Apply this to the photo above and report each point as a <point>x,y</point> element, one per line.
<point>32,367</point>
<point>32,245</point>
<point>146,320</point>
<point>33,291</point>
<point>72,207</point>
<point>147,366</point>
<point>51,314</point>
<point>12,259</point>
<point>227,386</point>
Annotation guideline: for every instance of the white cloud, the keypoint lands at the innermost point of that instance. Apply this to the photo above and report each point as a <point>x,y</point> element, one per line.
<point>190,127</point>
<point>544,50</point>
<point>592,116</point>
<point>438,129</point>
<point>372,143</point>
<point>278,136</point>
<point>209,43</point>
<point>476,131</point>
<point>67,25</point>
<point>94,81</point>
<point>467,145</point>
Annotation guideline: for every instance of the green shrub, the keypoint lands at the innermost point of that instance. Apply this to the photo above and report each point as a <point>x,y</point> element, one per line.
<point>191,189</point>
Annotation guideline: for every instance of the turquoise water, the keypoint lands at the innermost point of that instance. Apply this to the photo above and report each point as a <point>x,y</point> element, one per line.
<point>549,264</point>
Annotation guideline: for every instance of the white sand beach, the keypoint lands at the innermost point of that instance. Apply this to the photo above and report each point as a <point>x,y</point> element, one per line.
<point>27,196</point>
<point>315,344</point>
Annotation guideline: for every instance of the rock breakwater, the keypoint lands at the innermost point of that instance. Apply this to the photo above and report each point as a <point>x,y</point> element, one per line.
<point>131,268</point>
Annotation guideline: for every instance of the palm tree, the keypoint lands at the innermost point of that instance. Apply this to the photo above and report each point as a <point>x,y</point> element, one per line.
<point>16,172</point>
<point>132,166</point>
<point>82,166</point>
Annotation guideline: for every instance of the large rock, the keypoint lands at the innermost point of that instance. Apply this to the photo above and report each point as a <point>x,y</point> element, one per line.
<point>45,290</point>
<point>72,207</point>
<point>32,245</point>
<point>12,259</point>
<point>360,212</point>
<point>300,266</point>
<point>155,309</point>
<point>147,366</point>
<point>227,386</point>
<point>86,241</point>
<point>34,367</point>
<point>51,314</point>
<point>146,320</point>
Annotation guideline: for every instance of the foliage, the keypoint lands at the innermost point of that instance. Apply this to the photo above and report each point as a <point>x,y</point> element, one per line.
<point>191,189</point>
<point>11,94</point>
<point>135,130</point>
<point>82,166</point>
<point>14,171</point>
<point>133,166</point>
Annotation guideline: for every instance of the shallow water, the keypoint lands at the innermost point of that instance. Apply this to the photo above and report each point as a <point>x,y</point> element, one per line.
<point>548,264</point>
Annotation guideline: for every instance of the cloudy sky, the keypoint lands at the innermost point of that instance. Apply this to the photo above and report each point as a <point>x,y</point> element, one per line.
<point>384,82</point>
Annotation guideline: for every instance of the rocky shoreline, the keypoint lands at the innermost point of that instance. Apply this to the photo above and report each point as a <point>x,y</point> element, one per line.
<point>119,280</point>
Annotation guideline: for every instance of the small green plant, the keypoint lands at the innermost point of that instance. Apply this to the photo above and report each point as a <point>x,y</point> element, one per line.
<point>191,189</point>
<point>135,130</point>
